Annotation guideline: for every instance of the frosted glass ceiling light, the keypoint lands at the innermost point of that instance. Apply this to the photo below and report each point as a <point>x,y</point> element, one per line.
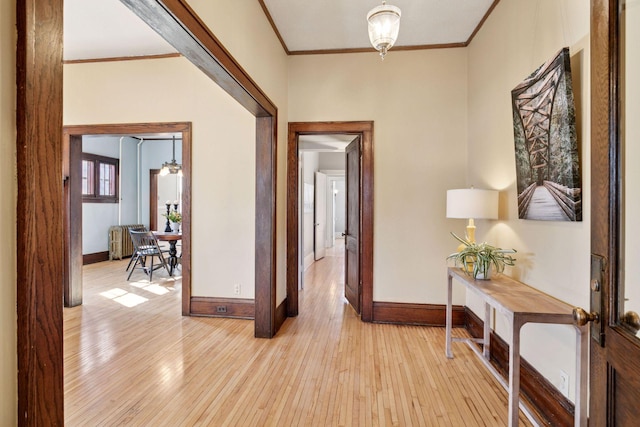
<point>384,24</point>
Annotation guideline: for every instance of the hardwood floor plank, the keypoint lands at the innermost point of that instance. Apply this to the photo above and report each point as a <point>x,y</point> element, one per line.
<point>132,359</point>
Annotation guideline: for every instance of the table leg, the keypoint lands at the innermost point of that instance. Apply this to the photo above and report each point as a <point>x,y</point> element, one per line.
<point>486,345</point>
<point>582,366</point>
<point>173,258</point>
<point>449,317</point>
<point>514,373</point>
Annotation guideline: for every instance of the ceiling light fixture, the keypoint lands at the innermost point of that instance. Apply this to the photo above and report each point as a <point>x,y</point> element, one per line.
<point>384,24</point>
<point>171,167</point>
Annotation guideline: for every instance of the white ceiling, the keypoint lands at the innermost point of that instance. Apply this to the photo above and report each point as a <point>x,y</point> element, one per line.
<point>333,142</point>
<point>106,28</point>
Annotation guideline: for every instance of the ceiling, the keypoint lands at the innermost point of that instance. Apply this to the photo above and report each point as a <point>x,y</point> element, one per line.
<point>95,29</point>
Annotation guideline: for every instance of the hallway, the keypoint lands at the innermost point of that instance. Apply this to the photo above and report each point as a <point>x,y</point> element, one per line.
<point>132,359</point>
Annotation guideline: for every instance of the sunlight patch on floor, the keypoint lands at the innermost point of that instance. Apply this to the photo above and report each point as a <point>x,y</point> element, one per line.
<point>123,297</point>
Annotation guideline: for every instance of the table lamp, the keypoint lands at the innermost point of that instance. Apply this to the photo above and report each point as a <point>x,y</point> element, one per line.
<point>473,204</point>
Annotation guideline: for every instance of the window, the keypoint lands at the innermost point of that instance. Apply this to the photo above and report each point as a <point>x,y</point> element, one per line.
<point>100,176</point>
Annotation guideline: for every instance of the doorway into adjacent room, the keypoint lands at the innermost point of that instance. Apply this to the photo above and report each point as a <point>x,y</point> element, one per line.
<point>329,203</point>
<point>134,204</point>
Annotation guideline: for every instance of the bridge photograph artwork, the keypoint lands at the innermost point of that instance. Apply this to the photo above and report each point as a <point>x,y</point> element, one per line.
<point>546,147</point>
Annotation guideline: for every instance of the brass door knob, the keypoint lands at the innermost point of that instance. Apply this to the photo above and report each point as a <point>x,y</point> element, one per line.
<point>632,320</point>
<point>582,317</point>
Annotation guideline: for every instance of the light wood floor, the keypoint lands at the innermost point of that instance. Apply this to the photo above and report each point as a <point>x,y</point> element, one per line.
<point>132,359</point>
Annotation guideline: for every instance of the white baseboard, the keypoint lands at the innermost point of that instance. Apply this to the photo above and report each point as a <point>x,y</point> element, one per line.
<point>308,260</point>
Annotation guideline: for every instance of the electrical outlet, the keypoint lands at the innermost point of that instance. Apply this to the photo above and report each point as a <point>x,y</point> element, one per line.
<point>221,309</point>
<point>236,289</point>
<point>564,383</point>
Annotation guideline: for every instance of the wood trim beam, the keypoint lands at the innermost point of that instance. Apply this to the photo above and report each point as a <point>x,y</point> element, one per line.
<point>189,35</point>
<point>40,241</point>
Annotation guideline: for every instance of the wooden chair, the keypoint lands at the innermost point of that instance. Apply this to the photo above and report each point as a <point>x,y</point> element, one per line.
<point>146,246</point>
<point>134,255</point>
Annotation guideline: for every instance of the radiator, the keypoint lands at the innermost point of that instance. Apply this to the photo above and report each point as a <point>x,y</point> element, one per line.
<point>120,244</point>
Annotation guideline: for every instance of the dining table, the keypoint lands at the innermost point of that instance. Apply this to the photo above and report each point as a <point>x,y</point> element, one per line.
<point>172,237</point>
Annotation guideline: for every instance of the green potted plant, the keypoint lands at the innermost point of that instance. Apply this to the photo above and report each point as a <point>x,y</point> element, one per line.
<point>481,259</point>
<point>175,218</point>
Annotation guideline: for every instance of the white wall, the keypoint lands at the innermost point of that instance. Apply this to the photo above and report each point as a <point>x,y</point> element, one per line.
<point>331,161</point>
<point>98,217</point>
<point>246,33</point>
<point>129,181</point>
<point>309,167</point>
<point>552,256</point>
<point>418,101</point>
<point>340,200</point>
<point>152,155</point>
<point>170,90</point>
<point>8,344</point>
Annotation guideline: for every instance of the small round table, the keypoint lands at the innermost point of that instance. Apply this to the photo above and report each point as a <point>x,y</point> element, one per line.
<point>172,238</point>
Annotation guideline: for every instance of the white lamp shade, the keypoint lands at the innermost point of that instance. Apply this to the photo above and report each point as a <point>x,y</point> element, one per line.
<point>472,203</point>
<point>384,25</point>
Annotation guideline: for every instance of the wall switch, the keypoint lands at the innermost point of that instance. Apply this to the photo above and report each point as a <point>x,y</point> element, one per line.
<point>564,383</point>
<point>236,289</point>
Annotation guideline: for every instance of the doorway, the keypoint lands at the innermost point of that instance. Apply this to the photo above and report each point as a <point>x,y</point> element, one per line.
<point>72,139</point>
<point>363,130</point>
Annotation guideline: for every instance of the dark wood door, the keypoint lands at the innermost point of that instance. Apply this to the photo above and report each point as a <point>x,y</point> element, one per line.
<point>615,295</point>
<point>352,290</point>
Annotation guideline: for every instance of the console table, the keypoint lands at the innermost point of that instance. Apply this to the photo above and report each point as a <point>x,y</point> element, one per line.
<point>520,304</point>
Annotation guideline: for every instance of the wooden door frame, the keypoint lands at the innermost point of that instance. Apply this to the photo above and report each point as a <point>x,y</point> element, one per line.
<point>153,201</point>
<point>606,208</point>
<point>365,130</point>
<point>40,200</point>
<point>72,143</point>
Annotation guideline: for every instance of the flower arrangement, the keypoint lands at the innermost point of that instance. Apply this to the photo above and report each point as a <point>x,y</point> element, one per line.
<point>477,259</point>
<point>173,216</point>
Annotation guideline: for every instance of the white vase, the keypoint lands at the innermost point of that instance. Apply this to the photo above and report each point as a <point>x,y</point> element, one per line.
<point>175,227</point>
<point>482,276</point>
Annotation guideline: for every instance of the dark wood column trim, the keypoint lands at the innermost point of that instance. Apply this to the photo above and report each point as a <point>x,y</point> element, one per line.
<point>265,293</point>
<point>365,130</point>
<point>39,213</point>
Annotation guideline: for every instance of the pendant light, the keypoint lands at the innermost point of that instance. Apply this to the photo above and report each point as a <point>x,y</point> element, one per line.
<point>384,24</point>
<point>171,167</point>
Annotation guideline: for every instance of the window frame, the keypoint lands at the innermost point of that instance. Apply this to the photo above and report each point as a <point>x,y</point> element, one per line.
<point>97,160</point>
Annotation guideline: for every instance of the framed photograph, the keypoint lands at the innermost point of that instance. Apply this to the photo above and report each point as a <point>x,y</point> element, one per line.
<point>546,147</point>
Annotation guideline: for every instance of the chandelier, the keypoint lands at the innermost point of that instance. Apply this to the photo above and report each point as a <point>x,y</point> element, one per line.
<point>384,24</point>
<point>171,167</point>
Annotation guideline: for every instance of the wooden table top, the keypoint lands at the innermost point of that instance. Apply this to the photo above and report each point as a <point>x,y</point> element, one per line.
<point>511,296</point>
<point>167,235</point>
